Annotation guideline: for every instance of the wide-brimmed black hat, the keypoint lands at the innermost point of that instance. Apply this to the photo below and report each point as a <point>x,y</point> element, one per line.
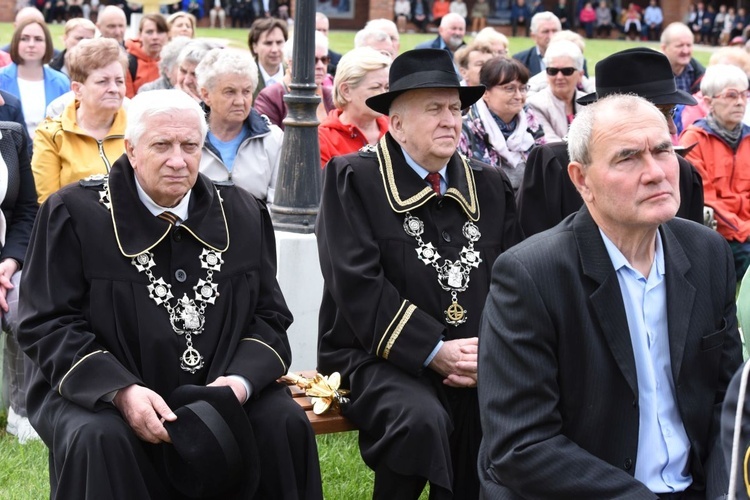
<point>213,452</point>
<point>640,71</point>
<point>423,69</point>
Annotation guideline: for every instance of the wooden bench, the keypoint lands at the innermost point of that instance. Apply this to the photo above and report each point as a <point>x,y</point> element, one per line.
<point>327,423</point>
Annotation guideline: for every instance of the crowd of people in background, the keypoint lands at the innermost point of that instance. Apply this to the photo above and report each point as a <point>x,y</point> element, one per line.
<point>65,112</point>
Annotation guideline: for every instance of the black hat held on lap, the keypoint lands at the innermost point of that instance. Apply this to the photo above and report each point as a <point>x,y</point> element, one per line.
<point>213,451</point>
<point>423,69</point>
<point>640,71</point>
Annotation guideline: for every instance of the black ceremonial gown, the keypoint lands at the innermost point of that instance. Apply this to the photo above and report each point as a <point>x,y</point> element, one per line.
<point>90,327</point>
<point>383,309</point>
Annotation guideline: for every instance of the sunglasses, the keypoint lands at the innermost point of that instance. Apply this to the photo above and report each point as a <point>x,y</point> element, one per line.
<point>324,60</point>
<point>564,71</point>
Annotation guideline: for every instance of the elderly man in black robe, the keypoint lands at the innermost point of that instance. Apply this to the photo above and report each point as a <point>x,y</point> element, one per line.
<point>144,281</point>
<point>407,233</point>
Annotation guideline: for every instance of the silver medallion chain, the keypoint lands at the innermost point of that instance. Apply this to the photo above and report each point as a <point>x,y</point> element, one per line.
<point>453,276</point>
<point>187,315</point>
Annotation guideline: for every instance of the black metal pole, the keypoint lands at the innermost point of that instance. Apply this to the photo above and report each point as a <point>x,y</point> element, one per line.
<point>299,183</point>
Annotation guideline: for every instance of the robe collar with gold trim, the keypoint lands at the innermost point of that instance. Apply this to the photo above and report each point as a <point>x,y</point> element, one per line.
<point>406,191</point>
<point>137,230</point>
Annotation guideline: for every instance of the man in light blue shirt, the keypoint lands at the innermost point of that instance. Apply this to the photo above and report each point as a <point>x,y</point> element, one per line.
<point>608,341</point>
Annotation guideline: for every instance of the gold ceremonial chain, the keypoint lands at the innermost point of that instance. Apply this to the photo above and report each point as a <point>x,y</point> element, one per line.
<point>453,276</point>
<point>324,391</point>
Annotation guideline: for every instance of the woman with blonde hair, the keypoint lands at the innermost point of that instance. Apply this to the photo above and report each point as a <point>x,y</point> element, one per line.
<point>361,74</point>
<point>76,29</point>
<point>181,24</point>
<point>88,137</point>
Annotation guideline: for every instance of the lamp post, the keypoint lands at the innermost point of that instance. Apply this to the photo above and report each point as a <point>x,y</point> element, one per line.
<point>298,185</point>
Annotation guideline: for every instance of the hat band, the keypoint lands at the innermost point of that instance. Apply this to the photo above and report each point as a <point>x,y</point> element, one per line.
<point>645,88</point>
<point>221,431</point>
<point>426,79</point>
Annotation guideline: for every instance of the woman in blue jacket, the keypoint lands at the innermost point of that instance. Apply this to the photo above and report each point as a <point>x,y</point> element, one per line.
<point>28,77</point>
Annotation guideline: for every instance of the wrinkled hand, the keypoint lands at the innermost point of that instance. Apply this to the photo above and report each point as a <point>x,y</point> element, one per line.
<point>7,268</point>
<point>142,409</point>
<point>457,362</point>
<point>235,385</point>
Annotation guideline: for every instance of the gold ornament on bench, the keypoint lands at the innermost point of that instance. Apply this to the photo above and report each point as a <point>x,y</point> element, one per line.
<point>323,390</point>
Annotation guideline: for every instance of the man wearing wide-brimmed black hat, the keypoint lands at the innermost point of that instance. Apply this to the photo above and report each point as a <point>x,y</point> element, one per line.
<point>547,195</point>
<point>407,232</point>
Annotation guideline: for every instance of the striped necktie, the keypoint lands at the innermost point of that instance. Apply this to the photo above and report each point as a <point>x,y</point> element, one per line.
<point>169,217</point>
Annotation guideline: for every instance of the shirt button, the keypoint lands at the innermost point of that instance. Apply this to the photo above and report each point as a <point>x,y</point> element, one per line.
<point>180,275</point>
<point>446,236</point>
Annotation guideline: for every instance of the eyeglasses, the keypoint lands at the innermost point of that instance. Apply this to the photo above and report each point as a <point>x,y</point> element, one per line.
<point>668,111</point>
<point>323,60</point>
<point>733,95</point>
<point>565,71</point>
<point>512,89</point>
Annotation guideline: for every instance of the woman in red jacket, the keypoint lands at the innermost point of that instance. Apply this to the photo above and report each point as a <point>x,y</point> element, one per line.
<point>361,73</point>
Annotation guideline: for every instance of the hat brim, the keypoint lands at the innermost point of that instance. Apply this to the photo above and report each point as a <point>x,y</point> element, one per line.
<point>676,97</point>
<point>382,102</point>
<point>213,449</point>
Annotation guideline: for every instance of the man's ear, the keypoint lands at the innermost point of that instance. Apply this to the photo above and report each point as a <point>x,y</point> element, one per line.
<point>129,150</point>
<point>577,173</point>
<point>396,126</point>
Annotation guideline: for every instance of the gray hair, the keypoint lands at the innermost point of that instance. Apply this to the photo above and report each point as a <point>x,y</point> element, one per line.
<point>451,16</point>
<point>321,42</point>
<point>541,17</point>
<point>194,51</point>
<point>365,37</point>
<point>353,67</point>
<point>721,76</point>
<point>159,102</point>
<point>170,53</point>
<point>564,48</point>
<point>582,129</point>
<point>229,61</point>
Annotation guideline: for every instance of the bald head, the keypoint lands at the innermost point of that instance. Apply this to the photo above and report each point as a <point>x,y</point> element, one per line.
<point>28,14</point>
<point>112,23</point>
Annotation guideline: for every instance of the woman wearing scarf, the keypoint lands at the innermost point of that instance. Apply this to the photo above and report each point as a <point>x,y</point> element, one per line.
<point>498,129</point>
<point>722,156</point>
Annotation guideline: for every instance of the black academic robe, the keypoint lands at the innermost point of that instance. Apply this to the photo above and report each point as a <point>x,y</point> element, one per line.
<point>89,326</point>
<point>383,310</point>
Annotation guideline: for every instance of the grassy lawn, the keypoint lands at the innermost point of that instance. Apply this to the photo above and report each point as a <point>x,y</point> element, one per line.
<point>24,476</point>
<point>23,469</point>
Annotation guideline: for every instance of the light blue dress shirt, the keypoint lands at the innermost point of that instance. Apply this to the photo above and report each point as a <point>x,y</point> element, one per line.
<point>422,172</point>
<point>663,446</point>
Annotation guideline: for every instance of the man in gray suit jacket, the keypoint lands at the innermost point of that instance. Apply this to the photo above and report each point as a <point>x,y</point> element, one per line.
<point>608,341</point>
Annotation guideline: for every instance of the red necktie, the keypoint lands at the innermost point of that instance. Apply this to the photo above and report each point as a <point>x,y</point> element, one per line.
<point>434,179</point>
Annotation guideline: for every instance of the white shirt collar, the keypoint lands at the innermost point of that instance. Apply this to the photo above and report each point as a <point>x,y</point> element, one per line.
<point>180,210</point>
